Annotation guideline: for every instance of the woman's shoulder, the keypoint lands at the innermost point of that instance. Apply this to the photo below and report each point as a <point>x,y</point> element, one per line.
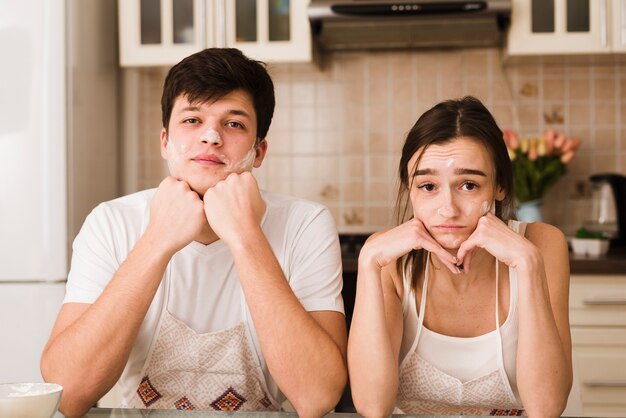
<point>552,245</point>
<point>544,235</point>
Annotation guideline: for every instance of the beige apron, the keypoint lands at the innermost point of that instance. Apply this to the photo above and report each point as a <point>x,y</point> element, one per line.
<point>424,389</point>
<point>212,371</point>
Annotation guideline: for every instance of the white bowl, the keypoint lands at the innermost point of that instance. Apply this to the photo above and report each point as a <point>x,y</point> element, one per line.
<point>29,400</point>
<point>589,246</point>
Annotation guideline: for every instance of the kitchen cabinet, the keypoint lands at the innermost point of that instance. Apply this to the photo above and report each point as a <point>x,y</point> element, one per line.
<point>162,32</point>
<point>556,27</point>
<point>598,325</point>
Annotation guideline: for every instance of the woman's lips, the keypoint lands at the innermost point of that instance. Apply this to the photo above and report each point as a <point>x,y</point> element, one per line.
<point>207,159</point>
<point>449,227</point>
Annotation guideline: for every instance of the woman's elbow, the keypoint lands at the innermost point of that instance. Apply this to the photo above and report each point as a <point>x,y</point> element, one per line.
<point>551,407</point>
<point>373,409</point>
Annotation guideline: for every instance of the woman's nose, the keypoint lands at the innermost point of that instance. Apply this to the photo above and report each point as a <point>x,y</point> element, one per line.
<point>448,208</point>
<point>211,136</point>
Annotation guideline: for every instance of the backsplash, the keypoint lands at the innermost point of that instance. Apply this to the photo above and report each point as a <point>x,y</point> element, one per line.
<point>338,131</point>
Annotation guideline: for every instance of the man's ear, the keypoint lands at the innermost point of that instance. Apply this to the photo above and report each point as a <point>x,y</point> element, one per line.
<point>261,150</point>
<point>164,144</point>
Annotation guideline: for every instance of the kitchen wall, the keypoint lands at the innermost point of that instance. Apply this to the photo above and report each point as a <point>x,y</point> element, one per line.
<point>93,78</point>
<point>339,128</point>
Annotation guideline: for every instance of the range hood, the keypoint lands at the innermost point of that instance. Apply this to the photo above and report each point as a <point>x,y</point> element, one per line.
<point>380,24</point>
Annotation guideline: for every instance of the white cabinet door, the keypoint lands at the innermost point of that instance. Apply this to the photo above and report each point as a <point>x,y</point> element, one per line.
<point>162,32</point>
<point>560,27</point>
<point>598,326</point>
<point>269,30</point>
<point>33,190</point>
<point>27,314</point>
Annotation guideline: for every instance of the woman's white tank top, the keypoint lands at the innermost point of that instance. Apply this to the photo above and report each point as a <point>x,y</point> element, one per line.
<point>464,359</point>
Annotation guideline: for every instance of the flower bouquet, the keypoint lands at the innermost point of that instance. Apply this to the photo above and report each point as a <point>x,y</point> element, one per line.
<point>538,162</point>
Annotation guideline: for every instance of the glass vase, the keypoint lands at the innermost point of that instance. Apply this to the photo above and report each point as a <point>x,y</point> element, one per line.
<point>530,211</point>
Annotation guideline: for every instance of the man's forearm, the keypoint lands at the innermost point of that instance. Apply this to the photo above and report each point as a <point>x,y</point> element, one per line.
<point>305,361</point>
<point>89,348</point>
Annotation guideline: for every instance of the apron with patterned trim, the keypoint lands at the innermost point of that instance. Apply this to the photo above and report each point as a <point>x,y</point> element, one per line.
<point>424,389</point>
<point>210,371</point>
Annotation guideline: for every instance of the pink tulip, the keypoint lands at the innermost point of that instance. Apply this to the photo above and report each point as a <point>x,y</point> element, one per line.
<point>558,142</point>
<point>568,156</point>
<point>567,146</point>
<point>510,139</point>
<point>532,151</point>
<point>549,137</point>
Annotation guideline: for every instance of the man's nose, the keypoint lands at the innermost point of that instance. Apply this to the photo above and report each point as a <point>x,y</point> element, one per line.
<point>211,136</point>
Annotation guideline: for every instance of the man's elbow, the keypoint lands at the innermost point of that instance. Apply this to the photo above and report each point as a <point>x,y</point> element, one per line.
<point>319,403</point>
<point>73,408</point>
<point>75,400</point>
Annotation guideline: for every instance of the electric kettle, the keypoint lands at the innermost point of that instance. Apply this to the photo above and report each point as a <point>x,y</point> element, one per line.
<point>608,211</point>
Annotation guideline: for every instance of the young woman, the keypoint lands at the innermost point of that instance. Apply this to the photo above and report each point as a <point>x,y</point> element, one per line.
<point>460,309</point>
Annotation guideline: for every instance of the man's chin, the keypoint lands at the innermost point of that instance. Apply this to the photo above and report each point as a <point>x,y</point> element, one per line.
<point>201,189</point>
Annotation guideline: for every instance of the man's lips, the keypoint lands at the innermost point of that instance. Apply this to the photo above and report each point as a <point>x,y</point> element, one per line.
<point>207,159</point>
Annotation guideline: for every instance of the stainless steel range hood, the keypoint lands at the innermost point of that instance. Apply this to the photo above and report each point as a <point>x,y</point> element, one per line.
<point>381,24</point>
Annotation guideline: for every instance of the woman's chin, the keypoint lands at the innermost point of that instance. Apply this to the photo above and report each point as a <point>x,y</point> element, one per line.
<point>451,243</point>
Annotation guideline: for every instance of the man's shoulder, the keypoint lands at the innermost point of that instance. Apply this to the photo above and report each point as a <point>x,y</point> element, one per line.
<point>278,201</point>
<point>129,206</point>
<point>130,201</point>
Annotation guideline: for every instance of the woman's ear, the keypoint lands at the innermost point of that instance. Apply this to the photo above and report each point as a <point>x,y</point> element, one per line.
<point>500,194</point>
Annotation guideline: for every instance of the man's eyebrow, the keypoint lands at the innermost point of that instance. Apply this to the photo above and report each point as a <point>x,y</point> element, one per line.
<point>458,171</point>
<point>190,109</point>
<point>238,112</point>
<point>234,112</point>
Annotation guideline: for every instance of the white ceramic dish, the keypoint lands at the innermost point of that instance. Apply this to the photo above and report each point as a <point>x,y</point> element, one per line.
<point>589,246</point>
<point>29,400</point>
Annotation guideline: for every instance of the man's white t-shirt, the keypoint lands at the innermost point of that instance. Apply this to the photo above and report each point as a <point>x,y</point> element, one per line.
<point>204,287</point>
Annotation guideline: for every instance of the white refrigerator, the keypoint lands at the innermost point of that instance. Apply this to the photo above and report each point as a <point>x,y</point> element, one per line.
<point>33,181</point>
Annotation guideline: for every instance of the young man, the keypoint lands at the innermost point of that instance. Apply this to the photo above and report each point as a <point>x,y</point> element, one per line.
<point>205,293</point>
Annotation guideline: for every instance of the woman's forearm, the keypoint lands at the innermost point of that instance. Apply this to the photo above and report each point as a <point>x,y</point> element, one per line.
<point>372,360</point>
<point>544,373</point>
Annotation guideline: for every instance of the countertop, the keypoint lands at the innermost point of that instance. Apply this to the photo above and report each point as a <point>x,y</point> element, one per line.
<point>138,413</point>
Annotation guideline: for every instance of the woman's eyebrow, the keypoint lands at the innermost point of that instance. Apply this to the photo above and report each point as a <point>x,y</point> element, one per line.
<point>458,171</point>
<point>424,172</point>
<point>470,171</point>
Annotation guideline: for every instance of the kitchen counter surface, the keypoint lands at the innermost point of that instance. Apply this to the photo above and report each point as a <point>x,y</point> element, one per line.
<point>139,413</point>
<point>606,264</point>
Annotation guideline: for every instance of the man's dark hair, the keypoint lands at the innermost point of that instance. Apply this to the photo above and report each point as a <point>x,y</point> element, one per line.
<point>212,74</point>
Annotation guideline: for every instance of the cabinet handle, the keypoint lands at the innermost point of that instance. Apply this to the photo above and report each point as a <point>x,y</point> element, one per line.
<point>605,383</point>
<point>603,25</point>
<point>607,301</point>
<point>220,27</point>
<point>623,21</point>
